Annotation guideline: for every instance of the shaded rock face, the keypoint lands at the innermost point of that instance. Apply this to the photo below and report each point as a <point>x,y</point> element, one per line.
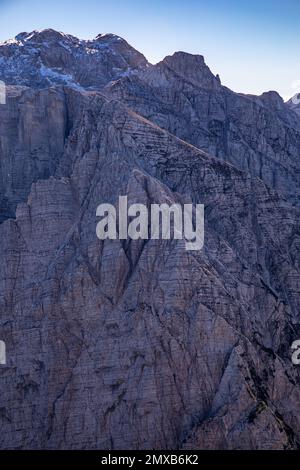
<point>33,127</point>
<point>123,344</point>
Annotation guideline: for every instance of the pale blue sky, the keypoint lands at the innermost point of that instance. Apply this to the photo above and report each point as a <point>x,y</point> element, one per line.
<point>253,45</point>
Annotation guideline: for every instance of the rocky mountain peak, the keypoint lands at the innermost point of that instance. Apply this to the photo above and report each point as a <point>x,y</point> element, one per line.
<point>180,56</point>
<point>43,58</point>
<point>45,35</point>
<point>193,68</point>
<point>107,37</point>
<point>272,99</point>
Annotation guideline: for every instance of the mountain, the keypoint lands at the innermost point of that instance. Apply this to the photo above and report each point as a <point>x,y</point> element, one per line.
<point>45,58</point>
<point>140,344</point>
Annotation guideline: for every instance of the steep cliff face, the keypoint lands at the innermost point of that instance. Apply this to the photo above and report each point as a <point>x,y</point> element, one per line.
<point>33,127</point>
<point>142,344</point>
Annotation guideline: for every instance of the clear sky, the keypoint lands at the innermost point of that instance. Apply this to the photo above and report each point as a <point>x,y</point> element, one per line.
<point>253,45</point>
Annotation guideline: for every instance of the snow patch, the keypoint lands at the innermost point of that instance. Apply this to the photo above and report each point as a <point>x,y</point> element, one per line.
<point>55,75</point>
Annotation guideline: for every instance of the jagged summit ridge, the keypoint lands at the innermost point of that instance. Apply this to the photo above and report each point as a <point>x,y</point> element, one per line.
<point>44,35</point>
<point>47,57</point>
<point>51,35</point>
<point>44,58</point>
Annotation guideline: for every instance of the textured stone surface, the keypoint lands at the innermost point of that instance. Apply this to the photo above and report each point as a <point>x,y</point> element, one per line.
<point>142,344</point>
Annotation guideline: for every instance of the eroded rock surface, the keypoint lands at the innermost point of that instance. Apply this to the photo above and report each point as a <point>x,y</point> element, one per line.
<point>141,344</point>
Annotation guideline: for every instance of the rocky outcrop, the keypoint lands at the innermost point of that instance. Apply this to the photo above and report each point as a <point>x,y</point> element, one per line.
<point>123,344</point>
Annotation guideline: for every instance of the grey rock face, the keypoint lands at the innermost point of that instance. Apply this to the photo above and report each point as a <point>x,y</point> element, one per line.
<point>33,127</point>
<point>142,344</point>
